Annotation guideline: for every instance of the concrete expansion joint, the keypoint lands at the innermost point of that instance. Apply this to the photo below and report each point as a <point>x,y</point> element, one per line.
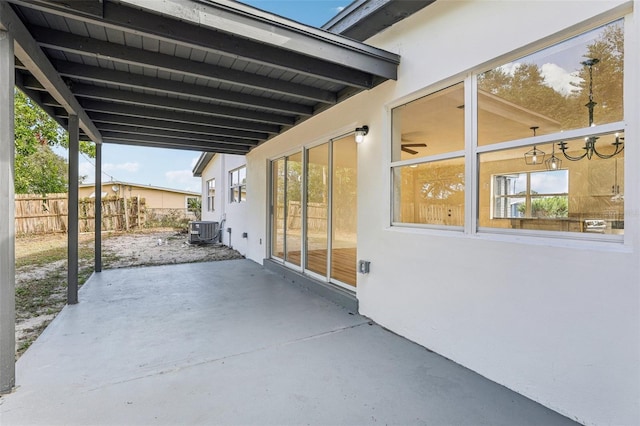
<point>188,365</point>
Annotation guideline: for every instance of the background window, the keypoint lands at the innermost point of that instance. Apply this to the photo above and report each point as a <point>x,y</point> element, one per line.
<point>515,195</point>
<point>211,194</point>
<point>531,194</point>
<point>238,185</point>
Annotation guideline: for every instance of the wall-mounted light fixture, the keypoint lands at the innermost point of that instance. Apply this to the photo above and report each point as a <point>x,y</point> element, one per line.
<point>361,132</point>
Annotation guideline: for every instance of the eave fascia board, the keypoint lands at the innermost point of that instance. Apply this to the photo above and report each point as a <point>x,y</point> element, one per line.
<point>363,19</point>
<point>202,163</point>
<point>33,58</point>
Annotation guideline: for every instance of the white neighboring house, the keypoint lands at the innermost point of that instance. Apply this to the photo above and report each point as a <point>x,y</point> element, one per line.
<point>224,196</point>
<point>548,306</point>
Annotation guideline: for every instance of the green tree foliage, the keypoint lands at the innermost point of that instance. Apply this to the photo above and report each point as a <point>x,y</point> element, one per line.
<point>194,205</point>
<point>557,206</point>
<point>37,168</point>
<point>40,172</point>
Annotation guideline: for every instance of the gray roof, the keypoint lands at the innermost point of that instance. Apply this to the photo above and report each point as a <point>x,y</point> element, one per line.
<point>214,76</point>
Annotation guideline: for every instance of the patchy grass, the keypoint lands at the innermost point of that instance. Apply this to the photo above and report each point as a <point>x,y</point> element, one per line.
<point>39,298</point>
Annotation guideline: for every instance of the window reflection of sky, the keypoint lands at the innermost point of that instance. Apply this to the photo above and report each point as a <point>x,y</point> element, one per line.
<point>560,63</point>
<point>551,182</point>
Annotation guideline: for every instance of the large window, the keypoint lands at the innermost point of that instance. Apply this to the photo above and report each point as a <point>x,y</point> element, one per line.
<point>211,194</point>
<point>238,185</point>
<point>428,159</point>
<point>538,179</point>
<point>546,152</point>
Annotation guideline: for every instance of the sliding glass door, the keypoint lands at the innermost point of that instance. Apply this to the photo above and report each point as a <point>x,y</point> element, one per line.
<point>325,218</point>
<point>286,240</point>
<point>344,215</point>
<point>317,217</point>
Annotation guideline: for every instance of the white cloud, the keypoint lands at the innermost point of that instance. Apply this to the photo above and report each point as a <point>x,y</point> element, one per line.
<point>179,176</point>
<point>510,68</point>
<point>129,167</point>
<point>86,169</point>
<point>554,75</point>
<point>559,79</point>
<point>339,9</point>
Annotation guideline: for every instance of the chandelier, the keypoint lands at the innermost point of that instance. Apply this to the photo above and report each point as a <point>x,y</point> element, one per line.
<point>590,142</point>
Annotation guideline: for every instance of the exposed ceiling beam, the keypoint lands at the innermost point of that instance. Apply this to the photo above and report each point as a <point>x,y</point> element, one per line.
<point>128,79</point>
<point>49,100</point>
<point>86,46</point>
<point>32,83</point>
<point>177,116</point>
<point>91,7</point>
<point>101,93</point>
<point>200,37</point>
<point>29,53</point>
<point>173,134</point>
<point>345,61</point>
<point>159,142</point>
<point>263,39</point>
<point>36,96</point>
<point>188,128</point>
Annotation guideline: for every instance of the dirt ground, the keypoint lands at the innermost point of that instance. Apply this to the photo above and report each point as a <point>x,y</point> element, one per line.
<point>41,268</point>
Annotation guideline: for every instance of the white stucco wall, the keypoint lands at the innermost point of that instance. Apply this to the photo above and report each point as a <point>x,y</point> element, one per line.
<point>567,336</point>
<point>235,214</point>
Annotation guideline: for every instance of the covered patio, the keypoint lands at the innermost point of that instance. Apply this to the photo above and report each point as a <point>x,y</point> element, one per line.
<point>233,343</point>
<point>210,76</point>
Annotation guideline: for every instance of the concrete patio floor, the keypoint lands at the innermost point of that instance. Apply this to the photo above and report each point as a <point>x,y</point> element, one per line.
<point>232,343</point>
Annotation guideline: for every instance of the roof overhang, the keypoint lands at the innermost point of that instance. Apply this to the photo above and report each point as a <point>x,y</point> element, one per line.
<point>202,163</point>
<point>363,19</point>
<point>213,76</point>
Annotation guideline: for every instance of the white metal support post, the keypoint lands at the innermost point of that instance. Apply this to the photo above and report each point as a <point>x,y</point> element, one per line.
<point>7,220</point>
<point>72,226</point>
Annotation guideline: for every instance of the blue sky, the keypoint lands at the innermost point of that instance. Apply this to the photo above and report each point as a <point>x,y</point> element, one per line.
<point>172,168</point>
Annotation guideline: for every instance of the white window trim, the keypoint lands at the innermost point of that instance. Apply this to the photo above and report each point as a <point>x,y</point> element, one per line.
<point>473,150</point>
<point>232,186</point>
<point>211,198</point>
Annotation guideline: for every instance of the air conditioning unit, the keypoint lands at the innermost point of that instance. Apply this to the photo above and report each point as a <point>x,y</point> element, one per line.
<point>203,232</point>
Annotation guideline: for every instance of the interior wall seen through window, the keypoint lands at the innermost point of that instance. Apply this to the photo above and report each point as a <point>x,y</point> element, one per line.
<point>527,105</point>
<point>429,191</point>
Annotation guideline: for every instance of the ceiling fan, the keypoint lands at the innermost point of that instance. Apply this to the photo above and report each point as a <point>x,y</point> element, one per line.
<point>406,147</point>
<point>408,141</point>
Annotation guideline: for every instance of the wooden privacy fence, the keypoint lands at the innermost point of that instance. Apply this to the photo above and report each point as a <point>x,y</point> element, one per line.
<point>41,214</point>
<point>344,217</point>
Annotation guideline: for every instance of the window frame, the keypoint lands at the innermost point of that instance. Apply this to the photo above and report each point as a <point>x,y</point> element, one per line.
<point>452,155</point>
<point>237,185</point>
<point>473,150</point>
<point>210,196</point>
<point>528,194</point>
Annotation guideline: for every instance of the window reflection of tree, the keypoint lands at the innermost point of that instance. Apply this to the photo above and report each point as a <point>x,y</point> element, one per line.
<point>527,87</point>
